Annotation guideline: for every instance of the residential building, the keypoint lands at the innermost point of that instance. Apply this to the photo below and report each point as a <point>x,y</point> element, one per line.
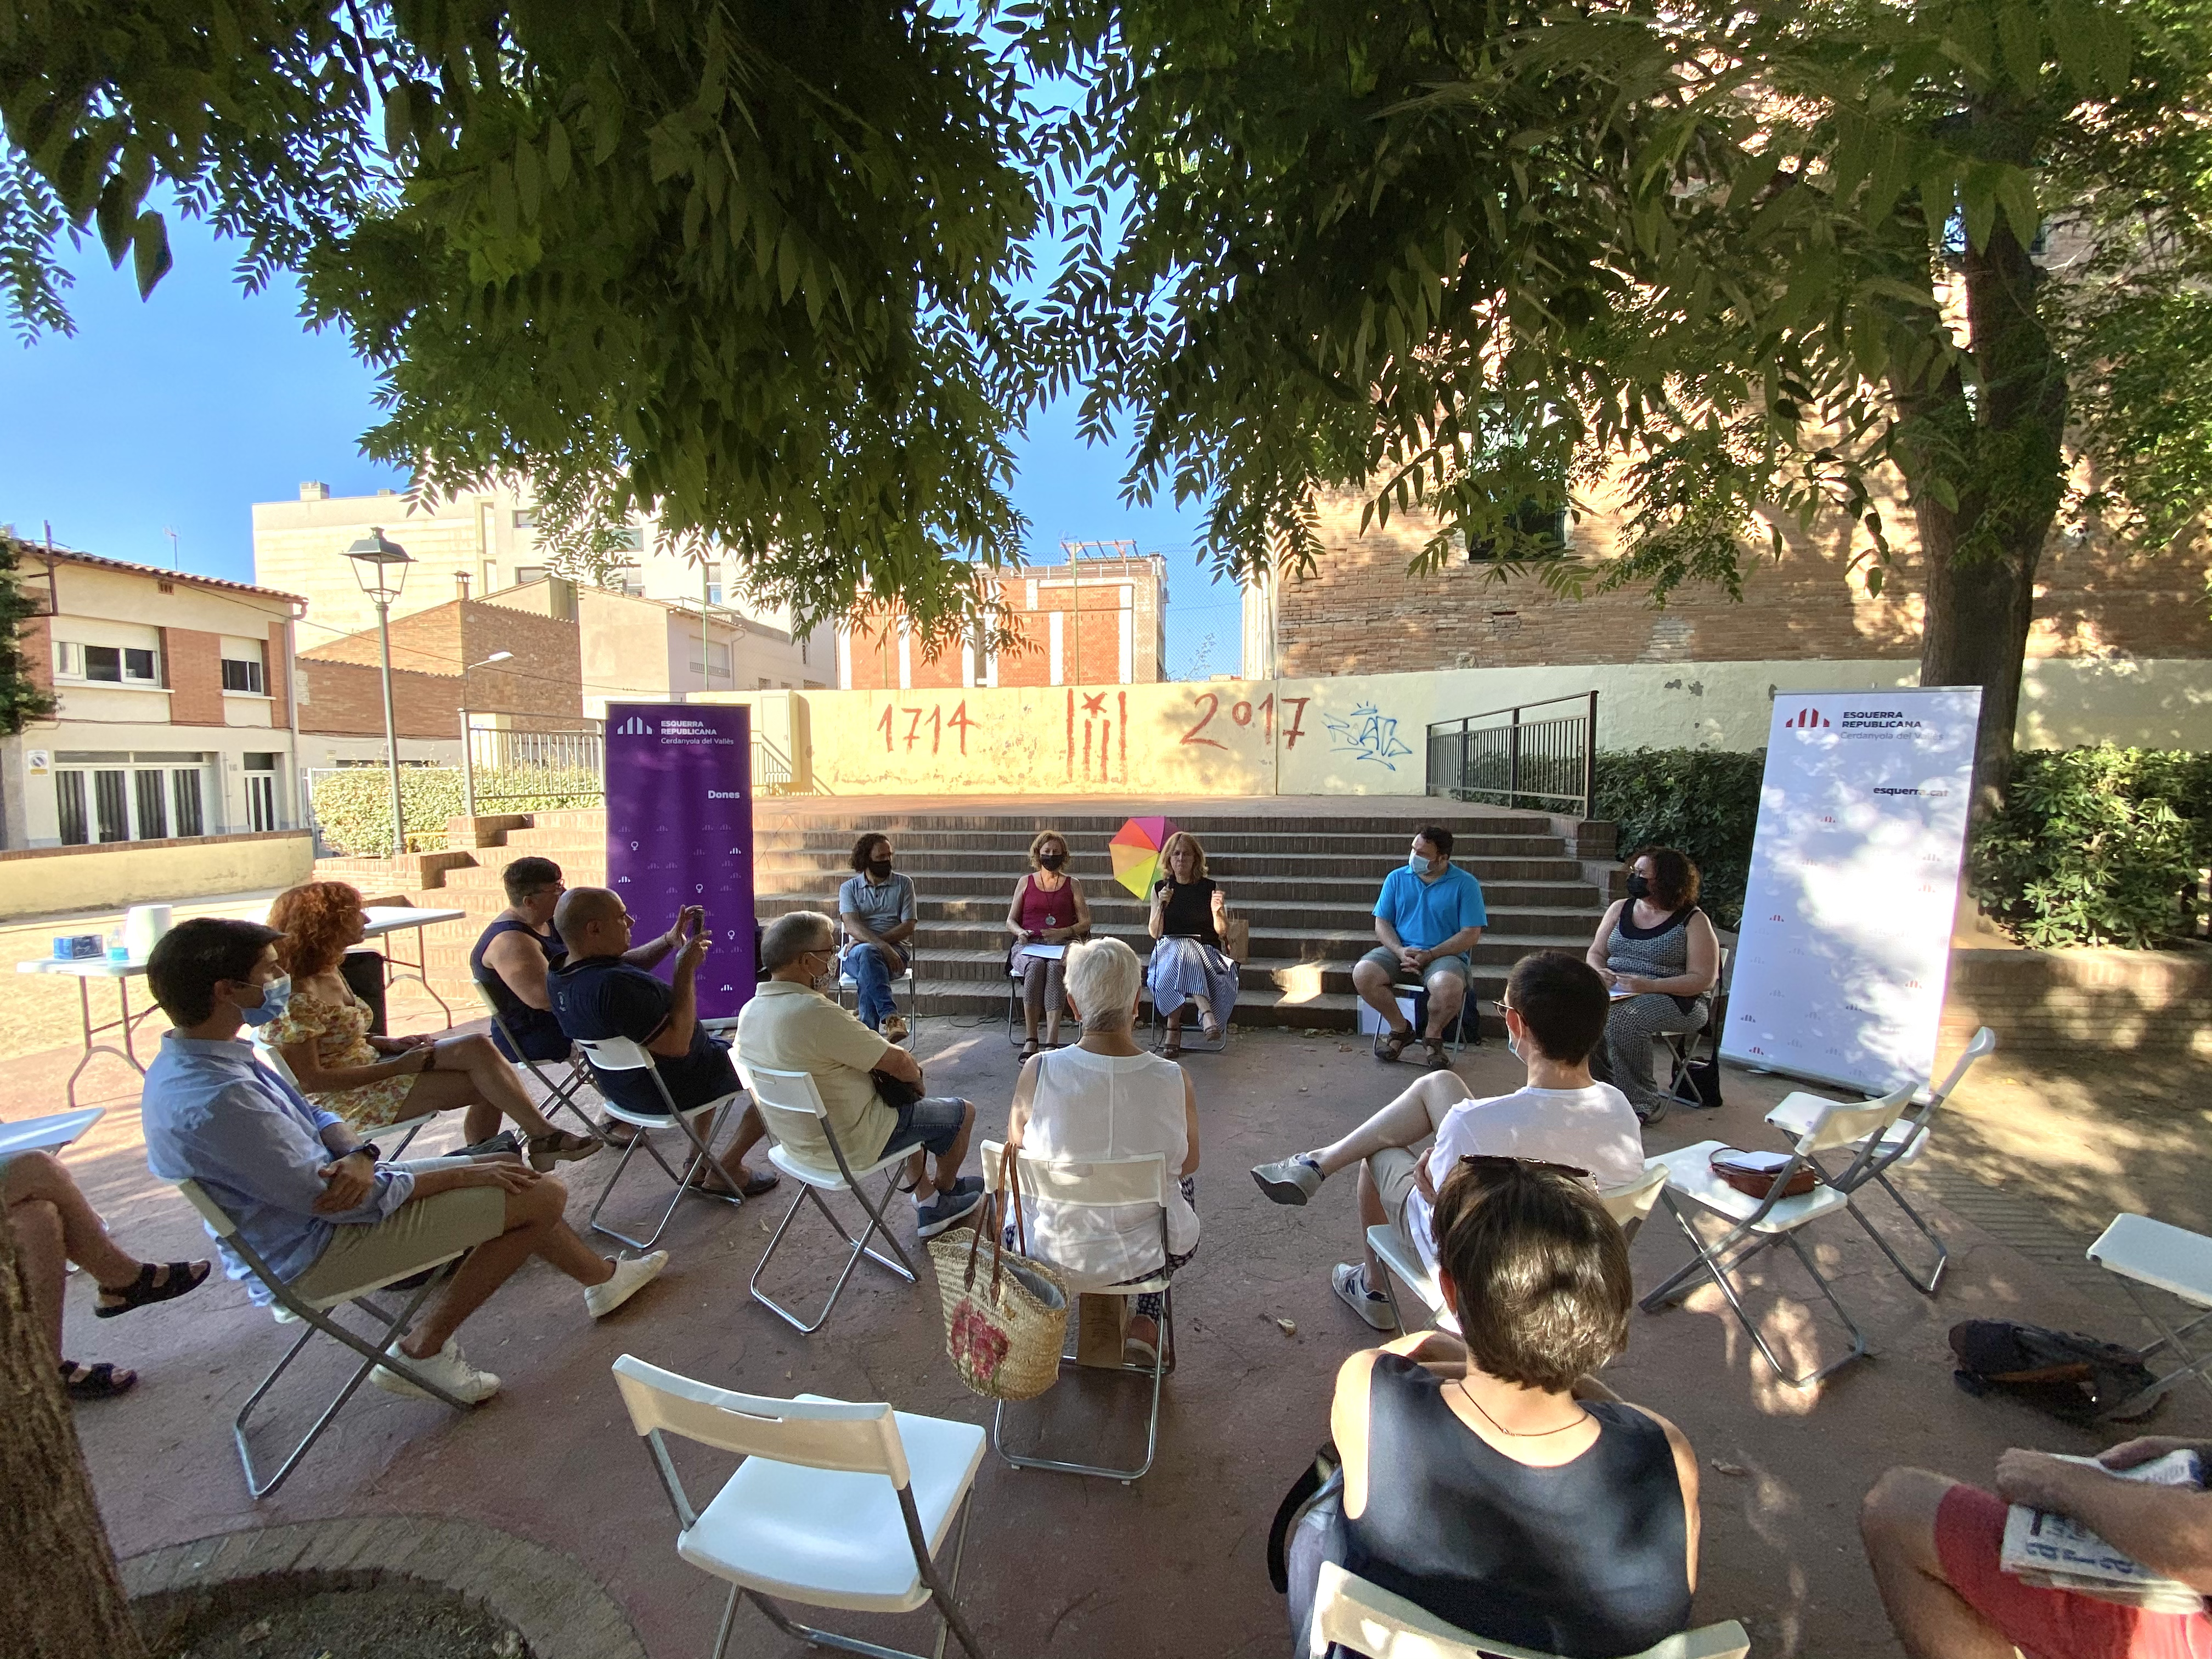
<point>173,715</point>
<point>1087,621</point>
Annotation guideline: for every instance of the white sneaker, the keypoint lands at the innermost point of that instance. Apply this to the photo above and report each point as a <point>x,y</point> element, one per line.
<point>632,1274</point>
<point>448,1368</point>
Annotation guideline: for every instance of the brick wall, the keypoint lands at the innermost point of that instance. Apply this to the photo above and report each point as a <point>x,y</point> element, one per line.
<point>193,661</point>
<point>34,638</point>
<point>545,675</point>
<point>1090,631</point>
<point>346,699</point>
<point>278,675</point>
<point>1362,613</point>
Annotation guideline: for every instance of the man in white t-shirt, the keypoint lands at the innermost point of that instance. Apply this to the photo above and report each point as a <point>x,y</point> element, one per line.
<point>1555,1007</point>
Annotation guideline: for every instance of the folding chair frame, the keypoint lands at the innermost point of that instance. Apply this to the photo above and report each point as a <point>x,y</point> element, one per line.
<point>903,1266</point>
<point>941,1589</point>
<point>1456,1042</point>
<point>559,1096</point>
<point>1014,1039</point>
<point>911,979</point>
<point>2192,1364</point>
<point>1202,1044</point>
<point>1734,1249</point>
<point>406,1129</point>
<point>1682,1046</point>
<point>383,1351</point>
<point>701,1153</point>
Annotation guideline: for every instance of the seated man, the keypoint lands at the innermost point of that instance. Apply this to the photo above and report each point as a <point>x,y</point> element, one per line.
<point>1555,1009</point>
<point>1934,1544</point>
<point>516,952</point>
<point>877,907</point>
<point>603,990</point>
<point>1428,917</point>
<point>791,1026</point>
<point>316,1204</point>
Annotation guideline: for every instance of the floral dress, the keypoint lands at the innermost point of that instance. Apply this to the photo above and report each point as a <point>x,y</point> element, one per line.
<point>340,1034</point>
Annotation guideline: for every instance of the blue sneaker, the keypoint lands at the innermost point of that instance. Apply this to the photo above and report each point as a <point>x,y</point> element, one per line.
<point>947,1209</point>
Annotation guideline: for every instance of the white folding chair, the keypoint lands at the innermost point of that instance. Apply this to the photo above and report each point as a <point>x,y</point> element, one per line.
<point>1629,1206</point>
<point>315,1316</point>
<point>1014,1028</point>
<point>620,1055</point>
<point>1098,1184</point>
<point>1366,1619</point>
<point>1759,1224</point>
<point>1417,991</point>
<point>406,1130</point>
<point>785,1100</point>
<point>835,1504</point>
<point>561,1096</point>
<point>848,986</point>
<point>1906,1139</point>
<point>2166,1258</point>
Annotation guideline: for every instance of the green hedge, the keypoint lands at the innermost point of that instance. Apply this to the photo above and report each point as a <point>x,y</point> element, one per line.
<point>1705,801</point>
<point>2097,847</point>
<point>353,806</point>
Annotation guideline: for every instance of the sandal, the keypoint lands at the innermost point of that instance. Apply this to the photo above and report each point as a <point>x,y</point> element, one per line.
<point>1391,1045</point>
<point>560,1146</point>
<point>1172,1051</point>
<point>1438,1057</point>
<point>1029,1050</point>
<point>1211,1028</point>
<point>710,1183</point>
<point>100,1382</point>
<point>174,1279</point>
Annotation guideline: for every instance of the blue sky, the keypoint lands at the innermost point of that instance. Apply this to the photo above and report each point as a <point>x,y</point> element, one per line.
<point>179,412</point>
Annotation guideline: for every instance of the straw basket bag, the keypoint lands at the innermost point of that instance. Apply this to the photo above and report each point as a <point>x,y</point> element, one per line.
<point>1004,1330</point>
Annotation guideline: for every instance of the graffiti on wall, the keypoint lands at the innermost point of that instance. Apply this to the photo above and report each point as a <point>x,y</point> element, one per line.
<point>1100,730</point>
<point>1207,704</point>
<point>1367,734</point>
<point>934,720</point>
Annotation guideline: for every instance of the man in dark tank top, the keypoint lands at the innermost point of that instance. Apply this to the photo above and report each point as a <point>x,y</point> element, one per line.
<point>515,953</point>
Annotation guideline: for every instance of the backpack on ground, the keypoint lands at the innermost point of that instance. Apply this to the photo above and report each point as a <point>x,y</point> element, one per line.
<point>2075,1377</point>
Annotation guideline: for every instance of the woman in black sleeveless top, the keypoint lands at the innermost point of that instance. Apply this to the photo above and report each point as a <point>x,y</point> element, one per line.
<point>1495,1484</point>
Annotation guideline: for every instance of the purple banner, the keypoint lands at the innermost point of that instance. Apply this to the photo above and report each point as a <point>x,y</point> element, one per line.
<point>680,831</point>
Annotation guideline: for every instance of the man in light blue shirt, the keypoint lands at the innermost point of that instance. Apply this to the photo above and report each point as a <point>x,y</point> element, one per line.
<point>876,904</point>
<point>1428,917</point>
<point>319,1207</point>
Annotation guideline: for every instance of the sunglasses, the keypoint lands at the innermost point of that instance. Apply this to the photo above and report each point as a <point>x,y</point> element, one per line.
<point>1494,1165</point>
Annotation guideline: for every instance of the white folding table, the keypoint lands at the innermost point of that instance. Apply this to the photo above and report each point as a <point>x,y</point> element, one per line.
<point>2164,1257</point>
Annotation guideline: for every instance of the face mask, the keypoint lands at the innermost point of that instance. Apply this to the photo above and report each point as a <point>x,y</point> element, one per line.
<point>1638,887</point>
<point>880,868</point>
<point>275,995</point>
<point>1417,864</point>
<point>1513,1048</point>
<point>1052,860</point>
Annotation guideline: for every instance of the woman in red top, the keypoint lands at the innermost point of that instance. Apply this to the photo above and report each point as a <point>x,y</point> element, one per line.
<point>1048,909</point>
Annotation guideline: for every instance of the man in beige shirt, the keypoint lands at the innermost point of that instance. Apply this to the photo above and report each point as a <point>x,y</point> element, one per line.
<point>789,1025</point>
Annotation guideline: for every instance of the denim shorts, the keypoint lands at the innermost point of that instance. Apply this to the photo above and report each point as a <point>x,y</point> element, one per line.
<point>932,1123</point>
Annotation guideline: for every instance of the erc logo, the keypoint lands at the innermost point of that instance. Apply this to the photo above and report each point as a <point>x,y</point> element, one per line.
<point>637,727</point>
<point>1806,719</point>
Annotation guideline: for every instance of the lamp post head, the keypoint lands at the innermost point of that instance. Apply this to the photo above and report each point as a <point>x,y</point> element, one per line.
<point>380,565</point>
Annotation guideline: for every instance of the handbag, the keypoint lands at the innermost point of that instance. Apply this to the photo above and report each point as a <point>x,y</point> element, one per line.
<point>1003,1331</point>
<point>1754,1173</point>
<point>2075,1377</point>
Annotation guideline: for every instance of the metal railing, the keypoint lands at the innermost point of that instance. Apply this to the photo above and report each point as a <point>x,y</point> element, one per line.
<point>569,763</point>
<point>1549,762</point>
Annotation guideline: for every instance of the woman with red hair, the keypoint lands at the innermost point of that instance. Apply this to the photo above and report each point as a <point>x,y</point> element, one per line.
<point>371,1081</point>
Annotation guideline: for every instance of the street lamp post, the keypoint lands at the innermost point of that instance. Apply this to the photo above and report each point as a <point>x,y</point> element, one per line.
<point>380,567</point>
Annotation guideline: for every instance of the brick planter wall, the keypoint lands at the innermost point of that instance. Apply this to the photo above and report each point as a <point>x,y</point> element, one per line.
<point>2124,1001</point>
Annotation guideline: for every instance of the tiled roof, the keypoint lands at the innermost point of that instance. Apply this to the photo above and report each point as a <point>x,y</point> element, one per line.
<point>71,556</point>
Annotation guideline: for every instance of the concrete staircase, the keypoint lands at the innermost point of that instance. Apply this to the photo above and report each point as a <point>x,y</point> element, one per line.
<point>1305,884</point>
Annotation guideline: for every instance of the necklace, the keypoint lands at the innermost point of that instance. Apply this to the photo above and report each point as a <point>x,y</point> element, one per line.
<point>1516,1434</point>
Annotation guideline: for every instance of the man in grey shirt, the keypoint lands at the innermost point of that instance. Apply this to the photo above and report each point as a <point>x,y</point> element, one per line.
<point>877,907</point>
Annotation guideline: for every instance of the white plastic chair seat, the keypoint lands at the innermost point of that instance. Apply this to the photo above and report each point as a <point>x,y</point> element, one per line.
<point>661,1119</point>
<point>833,1538</point>
<point>1387,1242</point>
<point>1368,1618</point>
<point>829,1180</point>
<point>904,977</point>
<point>1690,1175</point>
<point>2157,1254</point>
<point>1799,1110</point>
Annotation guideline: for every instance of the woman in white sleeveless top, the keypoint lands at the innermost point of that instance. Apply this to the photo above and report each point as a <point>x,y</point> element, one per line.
<point>1103,1098</point>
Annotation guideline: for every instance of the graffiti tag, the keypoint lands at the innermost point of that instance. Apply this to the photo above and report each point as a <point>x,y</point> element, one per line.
<point>1367,734</point>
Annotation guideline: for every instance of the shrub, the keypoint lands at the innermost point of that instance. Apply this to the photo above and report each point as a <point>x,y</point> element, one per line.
<point>2097,847</point>
<point>1705,801</point>
<point>353,805</point>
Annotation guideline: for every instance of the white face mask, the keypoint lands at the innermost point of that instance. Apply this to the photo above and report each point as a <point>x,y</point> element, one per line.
<point>1417,864</point>
<point>1513,1048</point>
<point>275,995</point>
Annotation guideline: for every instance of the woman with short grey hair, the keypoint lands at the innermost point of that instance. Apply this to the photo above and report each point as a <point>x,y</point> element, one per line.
<point>1106,1098</point>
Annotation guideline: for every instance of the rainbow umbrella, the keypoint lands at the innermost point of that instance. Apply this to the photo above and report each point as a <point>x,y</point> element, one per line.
<point>1136,852</point>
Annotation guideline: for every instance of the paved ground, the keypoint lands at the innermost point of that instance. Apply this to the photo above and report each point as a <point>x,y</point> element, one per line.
<point>1175,1565</point>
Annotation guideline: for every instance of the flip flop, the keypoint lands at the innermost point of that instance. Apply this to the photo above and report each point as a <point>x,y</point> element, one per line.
<point>706,1181</point>
<point>183,1277</point>
<point>100,1382</point>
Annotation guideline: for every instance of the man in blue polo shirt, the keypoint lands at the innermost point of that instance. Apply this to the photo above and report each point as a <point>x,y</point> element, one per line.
<point>1428,918</point>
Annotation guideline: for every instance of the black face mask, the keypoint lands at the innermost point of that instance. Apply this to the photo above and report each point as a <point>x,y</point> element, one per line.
<point>1052,860</point>
<point>880,868</point>
<point>1639,887</point>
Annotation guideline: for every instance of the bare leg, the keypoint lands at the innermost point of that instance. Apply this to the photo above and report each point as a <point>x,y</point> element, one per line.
<point>1405,1121</point>
<point>534,1227</point>
<point>1032,996</point>
<point>38,1228</point>
<point>1447,994</point>
<point>1371,1214</point>
<point>949,1161</point>
<point>1932,1620</point>
<point>471,1072</point>
<point>43,1178</point>
<point>1373,985</point>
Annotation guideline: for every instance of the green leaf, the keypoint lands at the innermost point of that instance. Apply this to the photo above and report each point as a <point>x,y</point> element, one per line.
<point>2019,38</point>
<point>398,119</point>
<point>149,242</point>
<point>1978,198</point>
<point>557,154</point>
<point>113,216</point>
<point>529,180</point>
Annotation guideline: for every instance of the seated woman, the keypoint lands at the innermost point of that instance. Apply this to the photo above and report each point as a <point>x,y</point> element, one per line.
<point>54,1224</point>
<point>1189,910</point>
<point>1493,1482</point>
<point>1106,1098</point>
<point>1048,908</point>
<point>371,1081</point>
<point>1659,948</point>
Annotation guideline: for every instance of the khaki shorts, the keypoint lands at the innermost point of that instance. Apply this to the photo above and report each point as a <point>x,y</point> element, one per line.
<point>420,1232</point>
<point>1387,959</point>
<point>1393,1171</point>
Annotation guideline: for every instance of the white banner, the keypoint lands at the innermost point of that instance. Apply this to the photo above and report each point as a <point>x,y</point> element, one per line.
<point>1840,969</point>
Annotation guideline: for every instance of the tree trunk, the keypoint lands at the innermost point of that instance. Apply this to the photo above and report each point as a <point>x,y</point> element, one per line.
<point>61,1596</point>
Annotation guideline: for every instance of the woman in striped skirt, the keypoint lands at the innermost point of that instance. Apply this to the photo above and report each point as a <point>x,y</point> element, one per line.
<point>1658,952</point>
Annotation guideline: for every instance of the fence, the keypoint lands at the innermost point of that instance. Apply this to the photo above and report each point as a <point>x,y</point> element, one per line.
<point>501,767</point>
<point>1550,762</point>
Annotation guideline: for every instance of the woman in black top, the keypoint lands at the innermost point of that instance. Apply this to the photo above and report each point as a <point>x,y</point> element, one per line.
<point>1189,910</point>
<point>1495,1484</point>
<point>1658,955</point>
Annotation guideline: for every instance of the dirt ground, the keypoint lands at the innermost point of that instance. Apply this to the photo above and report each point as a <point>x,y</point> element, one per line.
<point>369,1624</point>
<point>2036,1157</point>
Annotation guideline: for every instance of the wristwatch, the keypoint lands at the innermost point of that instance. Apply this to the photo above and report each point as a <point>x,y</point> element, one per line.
<point>374,1153</point>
